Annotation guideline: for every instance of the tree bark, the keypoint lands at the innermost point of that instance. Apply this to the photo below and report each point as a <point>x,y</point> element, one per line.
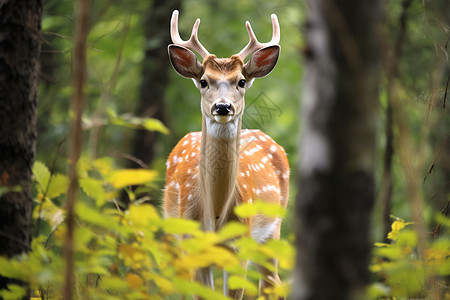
<point>337,185</point>
<point>20,44</point>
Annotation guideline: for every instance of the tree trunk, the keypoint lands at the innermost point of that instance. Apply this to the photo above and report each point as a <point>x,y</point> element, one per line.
<point>338,147</point>
<point>154,80</point>
<point>20,43</point>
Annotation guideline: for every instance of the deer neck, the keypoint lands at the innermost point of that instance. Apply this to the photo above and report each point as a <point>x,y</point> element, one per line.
<point>219,162</point>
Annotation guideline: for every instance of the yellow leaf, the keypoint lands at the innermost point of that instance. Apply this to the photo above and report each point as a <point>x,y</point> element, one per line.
<point>127,250</point>
<point>134,281</point>
<point>398,225</point>
<point>104,165</point>
<point>126,177</point>
<point>165,285</point>
<point>141,215</point>
<point>181,226</point>
<point>232,230</point>
<point>246,210</point>
<point>236,282</point>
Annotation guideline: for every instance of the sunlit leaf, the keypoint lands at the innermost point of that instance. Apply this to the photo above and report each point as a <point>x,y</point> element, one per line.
<point>236,282</point>
<point>246,210</point>
<point>93,216</point>
<point>94,189</point>
<point>104,164</point>
<point>141,215</point>
<point>134,281</point>
<point>134,122</point>
<point>189,287</point>
<point>164,284</point>
<point>396,226</point>
<point>53,185</point>
<point>407,238</point>
<point>126,177</point>
<point>232,230</point>
<point>41,175</point>
<point>58,185</point>
<point>180,226</point>
<point>114,284</point>
<point>49,212</point>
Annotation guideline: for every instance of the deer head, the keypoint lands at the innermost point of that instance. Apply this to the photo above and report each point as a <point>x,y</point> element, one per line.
<point>223,81</point>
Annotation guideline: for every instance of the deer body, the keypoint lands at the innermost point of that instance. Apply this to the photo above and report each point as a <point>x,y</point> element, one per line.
<point>212,171</point>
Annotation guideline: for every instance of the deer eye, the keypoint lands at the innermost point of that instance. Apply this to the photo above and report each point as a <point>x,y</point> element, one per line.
<point>203,83</point>
<point>241,83</point>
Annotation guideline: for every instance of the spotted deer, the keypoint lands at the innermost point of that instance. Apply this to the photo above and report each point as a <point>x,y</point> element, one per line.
<point>212,171</point>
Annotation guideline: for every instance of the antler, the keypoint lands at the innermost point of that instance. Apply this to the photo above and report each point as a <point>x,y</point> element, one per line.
<point>254,45</point>
<point>193,42</point>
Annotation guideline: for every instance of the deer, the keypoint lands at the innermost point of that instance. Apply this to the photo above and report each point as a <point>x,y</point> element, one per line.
<point>210,172</point>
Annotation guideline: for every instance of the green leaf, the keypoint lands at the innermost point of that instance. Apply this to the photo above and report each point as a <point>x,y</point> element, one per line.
<point>13,268</point>
<point>41,175</point>
<point>189,287</point>
<point>246,210</point>
<point>180,226</point>
<point>94,217</point>
<point>53,185</point>
<point>134,122</point>
<point>236,282</point>
<point>94,189</point>
<point>116,284</point>
<point>232,230</point>
<point>13,291</point>
<point>58,185</point>
<point>407,238</point>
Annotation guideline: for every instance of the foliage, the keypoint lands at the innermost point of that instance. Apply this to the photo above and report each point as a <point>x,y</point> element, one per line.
<point>132,254</point>
<point>120,255</point>
<point>405,271</point>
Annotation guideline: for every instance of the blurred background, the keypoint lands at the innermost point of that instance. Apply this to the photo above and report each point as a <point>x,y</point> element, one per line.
<point>129,76</point>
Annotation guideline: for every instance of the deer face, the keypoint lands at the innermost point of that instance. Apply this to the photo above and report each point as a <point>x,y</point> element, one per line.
<point>222,82</point>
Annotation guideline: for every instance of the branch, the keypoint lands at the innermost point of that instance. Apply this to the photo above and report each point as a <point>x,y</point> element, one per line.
<point>75,142</point>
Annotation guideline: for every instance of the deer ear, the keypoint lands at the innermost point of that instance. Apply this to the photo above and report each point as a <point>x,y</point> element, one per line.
<point>184,61</point>
<point>262,61</point>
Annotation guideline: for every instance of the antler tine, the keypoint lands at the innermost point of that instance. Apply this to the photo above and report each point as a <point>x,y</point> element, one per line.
<point>193,43</point>
<point>254,45</point>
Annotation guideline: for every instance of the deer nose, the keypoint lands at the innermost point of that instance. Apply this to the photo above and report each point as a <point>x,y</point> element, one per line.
<point>223,109</point>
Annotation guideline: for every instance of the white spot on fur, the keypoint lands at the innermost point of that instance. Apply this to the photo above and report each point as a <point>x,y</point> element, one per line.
<point>261,234</point>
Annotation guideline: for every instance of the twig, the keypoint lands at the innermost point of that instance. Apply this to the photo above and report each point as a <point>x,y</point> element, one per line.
<point>78,99</point>
<point>430,170</point>
<point>446,90</point>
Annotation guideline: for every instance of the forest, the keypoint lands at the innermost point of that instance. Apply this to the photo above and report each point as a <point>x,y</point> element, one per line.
<point>91,108</point>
